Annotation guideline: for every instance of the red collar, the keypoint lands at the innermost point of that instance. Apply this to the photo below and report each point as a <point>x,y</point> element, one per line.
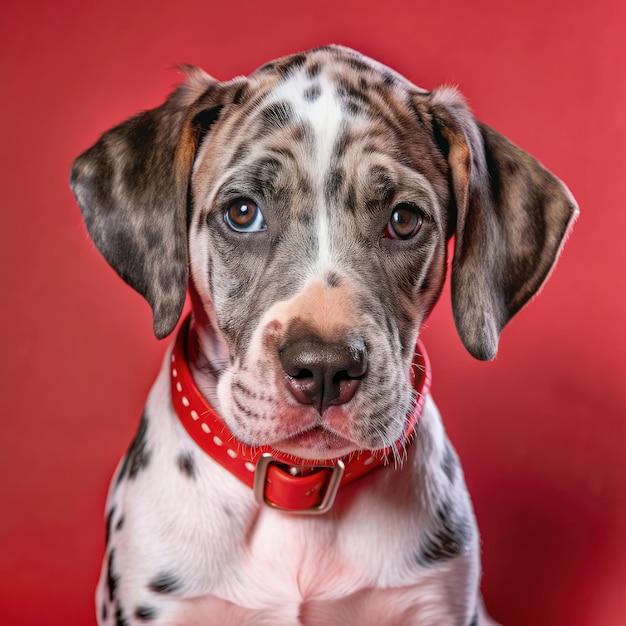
<point>280,480</point>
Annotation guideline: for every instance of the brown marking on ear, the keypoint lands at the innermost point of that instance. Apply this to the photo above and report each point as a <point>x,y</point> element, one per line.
<point>132,188</point>
<point>512,217</point>
<point>459,160</point>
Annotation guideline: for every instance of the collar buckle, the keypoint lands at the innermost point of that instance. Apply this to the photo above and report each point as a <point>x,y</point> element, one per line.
<point>329,483</point>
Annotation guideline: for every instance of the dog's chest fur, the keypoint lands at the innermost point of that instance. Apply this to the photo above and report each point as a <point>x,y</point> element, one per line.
<point>180,526</point>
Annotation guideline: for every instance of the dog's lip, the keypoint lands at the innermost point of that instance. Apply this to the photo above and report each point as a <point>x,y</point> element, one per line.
<point>317,441</point>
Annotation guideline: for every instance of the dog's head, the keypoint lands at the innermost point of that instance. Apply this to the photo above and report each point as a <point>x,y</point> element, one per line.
<point>309,207</point>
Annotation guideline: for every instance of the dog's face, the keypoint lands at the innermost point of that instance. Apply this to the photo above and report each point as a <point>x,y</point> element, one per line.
<point>313,201</point>
<point>318,242</point>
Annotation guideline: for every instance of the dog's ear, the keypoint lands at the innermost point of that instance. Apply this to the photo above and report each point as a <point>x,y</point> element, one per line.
<point>133,185</point>
<point>512,217</point>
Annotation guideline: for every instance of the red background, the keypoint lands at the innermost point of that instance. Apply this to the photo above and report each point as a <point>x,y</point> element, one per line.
<point>541,431</point>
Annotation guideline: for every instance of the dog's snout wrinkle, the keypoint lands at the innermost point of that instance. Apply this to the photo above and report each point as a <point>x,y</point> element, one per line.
<point>322,373</point>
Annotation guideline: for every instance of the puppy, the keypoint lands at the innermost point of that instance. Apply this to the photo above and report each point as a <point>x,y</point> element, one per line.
<point>290,465</point>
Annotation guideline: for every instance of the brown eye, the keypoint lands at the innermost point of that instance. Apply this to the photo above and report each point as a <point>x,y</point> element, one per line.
<point>406,221</point>
<point>244,216</point>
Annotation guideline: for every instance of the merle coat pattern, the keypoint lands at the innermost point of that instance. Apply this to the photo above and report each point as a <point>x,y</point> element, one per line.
<point>355,180</point>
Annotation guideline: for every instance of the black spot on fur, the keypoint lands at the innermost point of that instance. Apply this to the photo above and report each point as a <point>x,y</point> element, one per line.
<point>446,539</point>
<point>302,133</point>
<point>146,613</point>
<point>292,63</point>
<point>109,524</point>
<point>282,152</point>
<point>333,183</point>
<point>353,108</point>
<point>350,198</point>
<point>268,67</point>
<point>262,175</point>
<point>168,279</point>
<point>329,49</point>
<point>358,65</point>
<point>112,578</point>
<point>122,244</point>
<point>186,465</point>
<point>165,583</point>
<point>120,523</point>
<point>449,462</point>
<point>388,79</point>
<point>333,279</point>
<point>203,121</point>
<point>341,145</point>
<point>153,237</point>
<point>352,98</point>
<point>276,115</point>
<point>120,620</point>
<point>138,456</point>
<point>313,70</point>
<point>381,189</point>
<point>312,93</point>
<point>238,97</point>
<point>474,621</point>
<point>105,612</point>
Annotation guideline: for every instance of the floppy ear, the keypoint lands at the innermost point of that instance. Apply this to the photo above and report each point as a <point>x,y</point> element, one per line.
<point>512,217</point>
<point>132,187</point>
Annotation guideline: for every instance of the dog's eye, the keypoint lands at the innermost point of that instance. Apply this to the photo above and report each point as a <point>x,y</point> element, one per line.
<point>244,216</point>
<point>406,221</point>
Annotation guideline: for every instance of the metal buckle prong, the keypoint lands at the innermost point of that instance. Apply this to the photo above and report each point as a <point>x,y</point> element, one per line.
<point>260,477</point>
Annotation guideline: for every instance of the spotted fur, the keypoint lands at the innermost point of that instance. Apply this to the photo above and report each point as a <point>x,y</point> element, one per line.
<point>165,583</point>
<point>146,613</point>
<point>328,144</point>
<point>138,456</point>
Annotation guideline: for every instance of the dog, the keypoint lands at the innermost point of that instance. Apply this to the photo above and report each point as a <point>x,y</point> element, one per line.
<point>291,466</point>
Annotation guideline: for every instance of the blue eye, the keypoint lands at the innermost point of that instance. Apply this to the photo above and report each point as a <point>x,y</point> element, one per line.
<point>244,216</point>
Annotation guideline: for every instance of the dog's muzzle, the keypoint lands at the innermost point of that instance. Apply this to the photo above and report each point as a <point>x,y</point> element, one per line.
<point>279,480</point>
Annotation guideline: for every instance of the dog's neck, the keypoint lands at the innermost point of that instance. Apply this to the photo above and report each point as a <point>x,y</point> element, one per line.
<point>207,351</point>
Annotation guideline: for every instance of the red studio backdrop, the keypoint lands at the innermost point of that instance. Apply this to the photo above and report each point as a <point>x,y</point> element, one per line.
<point>541,431</point>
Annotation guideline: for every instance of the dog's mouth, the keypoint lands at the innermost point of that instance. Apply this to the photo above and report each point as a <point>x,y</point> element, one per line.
<point>317,442</point>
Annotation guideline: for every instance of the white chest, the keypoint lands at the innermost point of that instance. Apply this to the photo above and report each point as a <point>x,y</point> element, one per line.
<point>210,535</point>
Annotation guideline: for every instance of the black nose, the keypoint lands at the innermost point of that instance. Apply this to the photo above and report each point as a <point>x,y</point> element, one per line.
<point>322,373</point>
